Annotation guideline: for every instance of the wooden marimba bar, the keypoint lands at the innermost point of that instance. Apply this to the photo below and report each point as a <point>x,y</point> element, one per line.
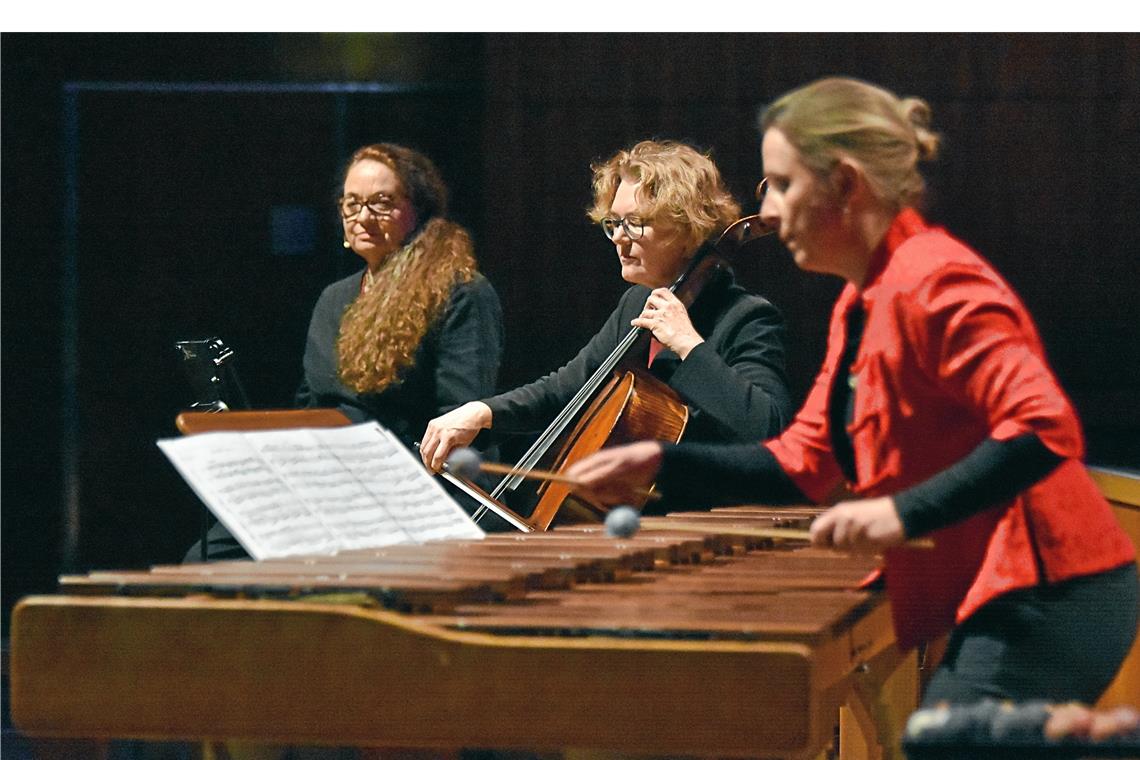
<point>669,642</point>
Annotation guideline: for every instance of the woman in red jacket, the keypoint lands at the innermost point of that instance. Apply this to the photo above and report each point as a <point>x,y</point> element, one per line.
<point>934,406</point>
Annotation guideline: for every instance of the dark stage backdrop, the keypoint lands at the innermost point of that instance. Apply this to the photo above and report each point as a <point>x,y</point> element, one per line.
<point>199,212</point>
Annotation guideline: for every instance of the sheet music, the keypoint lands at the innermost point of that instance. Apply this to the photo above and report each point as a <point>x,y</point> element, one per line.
<point>397,479</point>
<point>317,491</point>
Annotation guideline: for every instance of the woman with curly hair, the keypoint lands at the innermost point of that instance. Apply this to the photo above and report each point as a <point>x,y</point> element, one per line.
<point>414,334</point>
<point>659,203</point>
<point>418,331</point>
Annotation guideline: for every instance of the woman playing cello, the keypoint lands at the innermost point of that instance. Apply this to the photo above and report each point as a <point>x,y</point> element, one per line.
<point>658,202</point>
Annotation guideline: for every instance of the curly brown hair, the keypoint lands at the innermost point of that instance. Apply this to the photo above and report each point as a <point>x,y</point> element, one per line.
<point>381,330</point>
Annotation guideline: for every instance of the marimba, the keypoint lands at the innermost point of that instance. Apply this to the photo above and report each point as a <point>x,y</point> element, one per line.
<point>672,642</point>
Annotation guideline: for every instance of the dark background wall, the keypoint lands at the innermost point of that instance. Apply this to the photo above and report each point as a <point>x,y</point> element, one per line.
<point>195,212</point>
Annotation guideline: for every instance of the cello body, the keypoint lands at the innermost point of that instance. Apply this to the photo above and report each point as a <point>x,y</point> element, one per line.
<point>631,406</point>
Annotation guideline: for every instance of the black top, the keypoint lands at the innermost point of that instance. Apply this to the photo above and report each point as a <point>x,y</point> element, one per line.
<point>734,382</point>
<point>457,361</point>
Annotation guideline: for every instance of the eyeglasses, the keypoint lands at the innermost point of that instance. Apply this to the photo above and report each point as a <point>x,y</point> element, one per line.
<point>761,191</point>
<point>634,228</point>
<point>379,205</point>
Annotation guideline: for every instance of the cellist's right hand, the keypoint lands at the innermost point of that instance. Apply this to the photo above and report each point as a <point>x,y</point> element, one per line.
<point>453,430</point>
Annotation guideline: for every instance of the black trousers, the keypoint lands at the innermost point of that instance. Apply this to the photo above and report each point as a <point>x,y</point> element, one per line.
<point>1060,642</point>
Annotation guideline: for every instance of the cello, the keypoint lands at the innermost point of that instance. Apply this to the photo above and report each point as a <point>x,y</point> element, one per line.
<point>620,403</point>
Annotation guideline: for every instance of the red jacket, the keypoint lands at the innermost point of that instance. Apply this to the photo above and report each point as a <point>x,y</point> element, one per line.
<point>950,357</point>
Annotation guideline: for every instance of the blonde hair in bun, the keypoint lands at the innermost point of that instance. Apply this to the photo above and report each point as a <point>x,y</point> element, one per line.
<point>841,117</point>
<point>917,112</point>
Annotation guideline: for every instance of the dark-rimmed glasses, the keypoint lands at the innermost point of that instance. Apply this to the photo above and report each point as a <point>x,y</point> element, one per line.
<point>634,227</point>
<point>379,205</point>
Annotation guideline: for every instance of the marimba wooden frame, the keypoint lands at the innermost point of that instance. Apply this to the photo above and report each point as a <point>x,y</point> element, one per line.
<point>282,677</point>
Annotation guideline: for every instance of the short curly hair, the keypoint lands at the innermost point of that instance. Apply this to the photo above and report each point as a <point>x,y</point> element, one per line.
<point>676,182</point>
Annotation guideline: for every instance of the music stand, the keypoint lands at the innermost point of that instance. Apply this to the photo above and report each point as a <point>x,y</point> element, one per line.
<point>198,421</point>
<point>212,373</point>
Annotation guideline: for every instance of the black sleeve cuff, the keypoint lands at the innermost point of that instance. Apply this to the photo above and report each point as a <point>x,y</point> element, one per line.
<point>700,476</point>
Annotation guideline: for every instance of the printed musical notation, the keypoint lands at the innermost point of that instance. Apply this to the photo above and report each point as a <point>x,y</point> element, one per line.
<point>317,490</point>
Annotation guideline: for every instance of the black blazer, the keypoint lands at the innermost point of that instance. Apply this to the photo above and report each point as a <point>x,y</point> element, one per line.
<point>733,383</point>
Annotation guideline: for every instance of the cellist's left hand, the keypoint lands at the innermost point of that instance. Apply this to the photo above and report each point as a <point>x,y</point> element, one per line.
<point>667,318</point>
<point>865,526</point>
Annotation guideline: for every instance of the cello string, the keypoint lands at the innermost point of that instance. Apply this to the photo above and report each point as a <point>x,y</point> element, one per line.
<point>558,426</point>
